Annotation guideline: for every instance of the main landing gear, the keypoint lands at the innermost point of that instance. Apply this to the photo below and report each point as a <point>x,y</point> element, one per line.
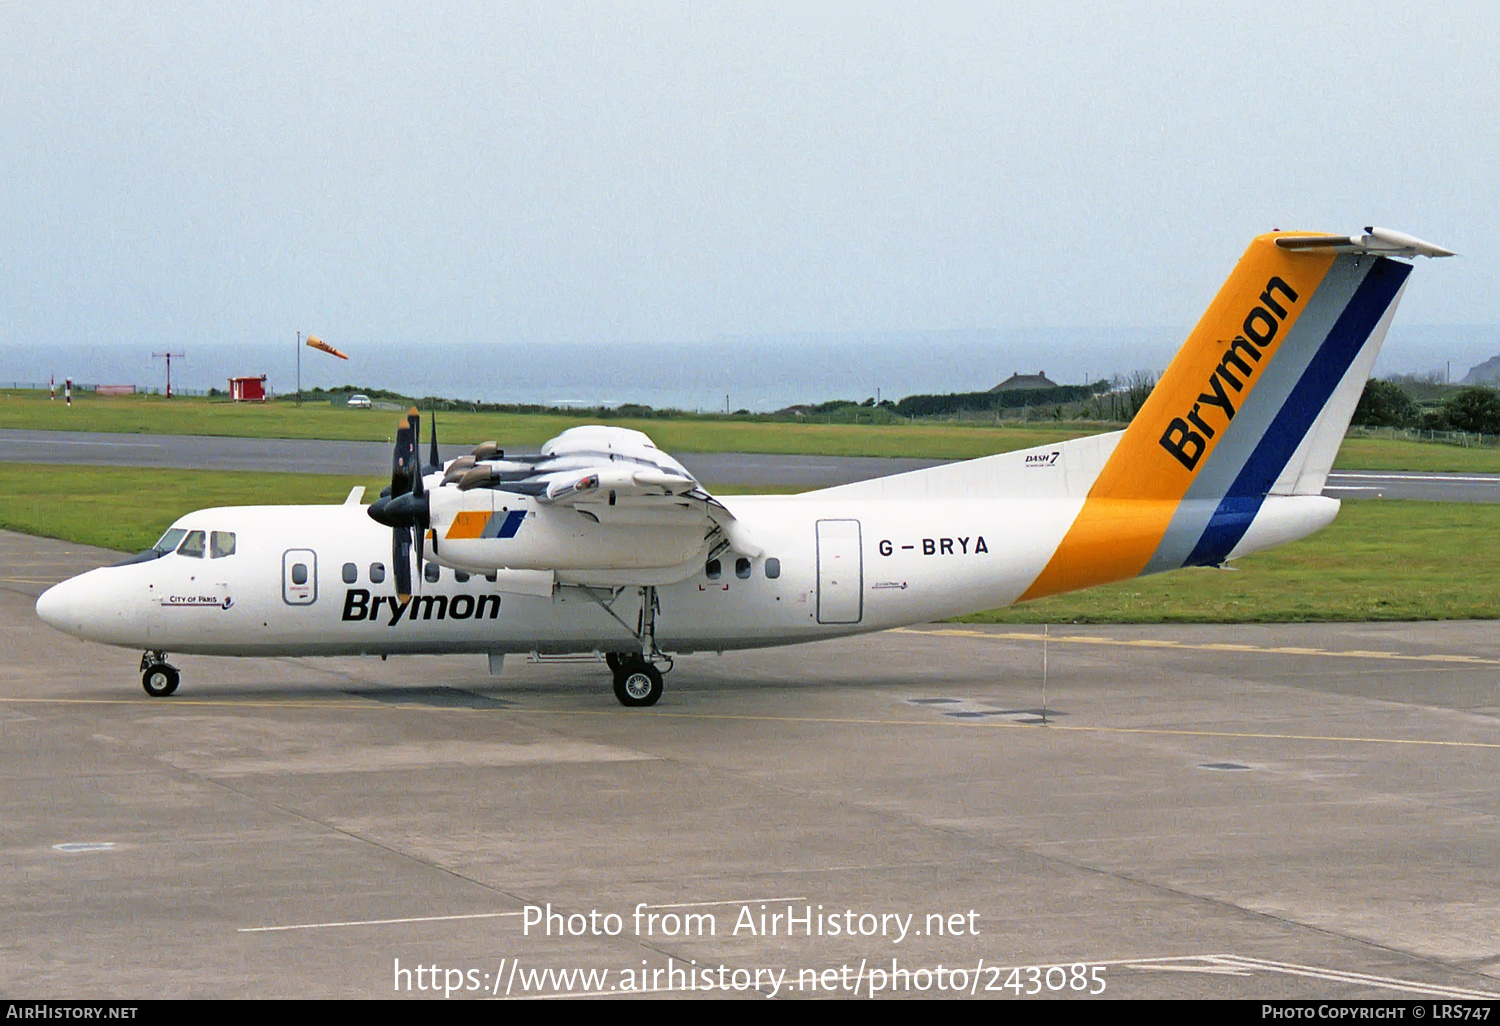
<point>158,677</point>
<point>637,682</point>
<point>638,675</point>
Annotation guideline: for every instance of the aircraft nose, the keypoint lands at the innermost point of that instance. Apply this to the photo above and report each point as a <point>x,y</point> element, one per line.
<point>55,607</point>
<point>72,606</point>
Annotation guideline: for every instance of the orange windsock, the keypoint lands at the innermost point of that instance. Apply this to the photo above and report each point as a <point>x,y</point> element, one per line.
<point>318,343</point>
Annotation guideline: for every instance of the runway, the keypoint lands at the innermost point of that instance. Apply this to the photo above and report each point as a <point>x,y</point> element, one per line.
<point>740,470</point>
<point>1267,812</point>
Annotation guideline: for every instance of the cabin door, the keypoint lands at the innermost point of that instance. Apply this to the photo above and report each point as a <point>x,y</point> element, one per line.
<point>841,572</point>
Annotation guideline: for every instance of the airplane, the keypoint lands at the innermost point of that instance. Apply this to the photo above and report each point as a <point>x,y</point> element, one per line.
<point>600,543</point>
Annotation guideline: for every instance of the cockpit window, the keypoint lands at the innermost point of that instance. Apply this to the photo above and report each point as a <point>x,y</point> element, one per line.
<point>169,540</point>
<point>193,544</point>
<point>220,543</point>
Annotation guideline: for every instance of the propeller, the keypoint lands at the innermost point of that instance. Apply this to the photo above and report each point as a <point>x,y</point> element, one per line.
<point>434,461</point>
<point>406,508</point>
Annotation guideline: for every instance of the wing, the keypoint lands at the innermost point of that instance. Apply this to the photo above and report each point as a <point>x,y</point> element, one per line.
<point>598,504</point>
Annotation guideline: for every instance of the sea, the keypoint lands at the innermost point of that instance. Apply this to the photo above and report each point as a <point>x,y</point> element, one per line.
<point>755,373</point>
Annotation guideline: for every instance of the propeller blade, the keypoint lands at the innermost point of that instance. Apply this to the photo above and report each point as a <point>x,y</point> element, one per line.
<point>401,561</point>
<point>415,465</point>
<point>421,516</point>
<point>434,461</point>
<point>406,508</point>
<point>400,461</point>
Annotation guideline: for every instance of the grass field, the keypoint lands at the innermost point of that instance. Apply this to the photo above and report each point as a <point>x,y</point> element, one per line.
<point>194,416</point>
<point>1381,560</point>
<point>930,440</point>
<point>127,508</point>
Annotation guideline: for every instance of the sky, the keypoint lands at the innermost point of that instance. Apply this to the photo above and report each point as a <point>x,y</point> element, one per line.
<point>679,172</point>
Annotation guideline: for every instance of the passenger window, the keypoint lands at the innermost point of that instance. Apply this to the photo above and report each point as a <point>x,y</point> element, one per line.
<point>193,545</point>
<point>377,573</point>
<point>299,573</point>
<point>431,572</point>
<point>742,568</point>
<point>712,569</point>
<point>351,573</point>
<point>491,577</point>
<point>773,568</point>
<point>460,576</point>
<point>220,544</point>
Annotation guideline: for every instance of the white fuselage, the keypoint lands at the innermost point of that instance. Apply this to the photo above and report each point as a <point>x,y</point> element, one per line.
<point>845,567</point>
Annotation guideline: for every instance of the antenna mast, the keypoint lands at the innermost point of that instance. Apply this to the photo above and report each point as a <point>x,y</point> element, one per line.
<point>168,357</point>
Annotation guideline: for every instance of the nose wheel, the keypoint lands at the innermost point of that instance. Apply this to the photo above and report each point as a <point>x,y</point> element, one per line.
<point>158,677</point>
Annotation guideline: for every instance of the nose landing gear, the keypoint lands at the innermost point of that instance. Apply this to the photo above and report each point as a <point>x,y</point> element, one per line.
<point>158,677</point>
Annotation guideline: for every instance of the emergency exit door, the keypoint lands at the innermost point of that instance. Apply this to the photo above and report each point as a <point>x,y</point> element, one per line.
<point>841,572</point>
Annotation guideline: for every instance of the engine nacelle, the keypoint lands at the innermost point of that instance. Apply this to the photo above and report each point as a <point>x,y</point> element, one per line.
<point>484,530</point>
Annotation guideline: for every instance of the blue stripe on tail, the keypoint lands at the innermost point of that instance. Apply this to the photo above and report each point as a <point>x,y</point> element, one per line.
<point>1239,506</point>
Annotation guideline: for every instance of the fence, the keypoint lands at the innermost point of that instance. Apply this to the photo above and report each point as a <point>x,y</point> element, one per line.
<point>100,387</point>
<point>1467,439</point>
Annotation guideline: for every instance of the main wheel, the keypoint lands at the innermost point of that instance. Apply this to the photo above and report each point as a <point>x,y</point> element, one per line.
<point>615,660</point>
<point>159,680</point>
<point>638,684</point>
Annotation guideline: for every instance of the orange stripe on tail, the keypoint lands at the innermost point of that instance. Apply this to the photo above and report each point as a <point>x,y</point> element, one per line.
<point>1132,503</point>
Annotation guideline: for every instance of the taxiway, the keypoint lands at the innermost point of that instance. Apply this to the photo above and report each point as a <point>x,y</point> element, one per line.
<point>1256,811</point>
<point>739,470</point>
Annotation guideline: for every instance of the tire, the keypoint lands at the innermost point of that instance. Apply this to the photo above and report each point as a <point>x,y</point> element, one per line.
<point>638,684</point>
<point>159,680</point>
<point>615,660</point>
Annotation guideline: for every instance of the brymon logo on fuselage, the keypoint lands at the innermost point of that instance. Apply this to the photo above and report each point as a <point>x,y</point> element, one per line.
<point>358,605</point>
<point>1187,436</point>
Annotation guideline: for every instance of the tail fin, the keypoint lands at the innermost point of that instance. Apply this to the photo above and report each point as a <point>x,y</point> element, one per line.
<point>1254,405</point>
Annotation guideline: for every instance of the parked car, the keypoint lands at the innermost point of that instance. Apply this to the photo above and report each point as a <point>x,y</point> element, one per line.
<point>359,402</point>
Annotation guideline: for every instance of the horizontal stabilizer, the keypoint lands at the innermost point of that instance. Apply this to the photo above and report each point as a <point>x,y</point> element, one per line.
<point>1375,241</point>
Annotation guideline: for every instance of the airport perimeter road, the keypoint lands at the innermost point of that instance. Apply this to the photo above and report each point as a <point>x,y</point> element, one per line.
<point>716,469</point>
<point>1248,812</point>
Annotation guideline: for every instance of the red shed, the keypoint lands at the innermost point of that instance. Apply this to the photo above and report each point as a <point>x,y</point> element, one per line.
<point>248,390</point>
